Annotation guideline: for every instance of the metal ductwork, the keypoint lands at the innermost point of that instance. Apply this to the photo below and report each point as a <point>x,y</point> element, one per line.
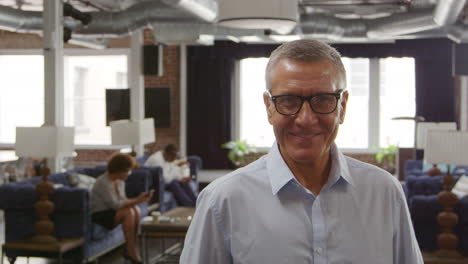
<point>183,21</point>
<point>445,13</point>
<point>332,28</point>
<point>402,24</point>
<point>113,24</point>
<point>206,10</point>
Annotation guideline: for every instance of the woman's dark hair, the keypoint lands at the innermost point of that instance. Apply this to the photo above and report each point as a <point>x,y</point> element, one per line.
<point>120,162</point>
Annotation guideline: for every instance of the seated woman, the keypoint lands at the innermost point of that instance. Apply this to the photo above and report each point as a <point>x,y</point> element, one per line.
<point>176,174</point>
<point>111,207</point>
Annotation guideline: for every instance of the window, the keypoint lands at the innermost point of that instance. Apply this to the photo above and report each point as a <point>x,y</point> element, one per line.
<point>22,94</point>
<point>353,133</point>
<point>379,90</point>
<point>254,126</point>
<point>86,76</point>
<point>397,99</point>
<point>86,79</point>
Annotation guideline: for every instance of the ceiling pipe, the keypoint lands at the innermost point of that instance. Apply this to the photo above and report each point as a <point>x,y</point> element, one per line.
<point>447,11</point>
<point>331,27</point>
<point>206,10</point>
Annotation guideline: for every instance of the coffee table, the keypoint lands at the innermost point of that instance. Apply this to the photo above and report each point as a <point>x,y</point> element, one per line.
<point>175,229</point>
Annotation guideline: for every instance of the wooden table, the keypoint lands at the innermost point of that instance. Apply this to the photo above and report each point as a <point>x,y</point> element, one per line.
<point>431,258</point>
<point>60,247</point>
<point>181,218</point>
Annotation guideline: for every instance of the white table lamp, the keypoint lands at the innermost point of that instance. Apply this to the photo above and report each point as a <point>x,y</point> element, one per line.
<point>48,142</point>
<point>423,127</point>
<point>134,133</point>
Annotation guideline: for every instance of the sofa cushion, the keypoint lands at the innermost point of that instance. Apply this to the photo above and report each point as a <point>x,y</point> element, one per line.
<point>81,181</point>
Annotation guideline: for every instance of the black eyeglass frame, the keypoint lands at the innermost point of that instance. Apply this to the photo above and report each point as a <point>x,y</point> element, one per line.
<point>308,98</point>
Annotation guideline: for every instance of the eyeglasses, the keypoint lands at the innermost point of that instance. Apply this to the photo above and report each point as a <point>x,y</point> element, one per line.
<point>324,103</point>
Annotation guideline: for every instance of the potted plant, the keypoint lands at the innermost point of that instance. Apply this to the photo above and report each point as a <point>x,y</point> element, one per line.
<point>238,149</point>
<point>386,158</point>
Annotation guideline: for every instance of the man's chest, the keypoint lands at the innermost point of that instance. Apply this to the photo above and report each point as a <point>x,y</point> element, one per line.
<point>294,231</point>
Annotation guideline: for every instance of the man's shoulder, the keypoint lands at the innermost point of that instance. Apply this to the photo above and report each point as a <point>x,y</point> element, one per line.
<point>374,180</point>
<point>365,172</point>
<point>249,177</point>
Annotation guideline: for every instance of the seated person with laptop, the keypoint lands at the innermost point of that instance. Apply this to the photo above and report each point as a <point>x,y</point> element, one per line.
<point>176,174</point>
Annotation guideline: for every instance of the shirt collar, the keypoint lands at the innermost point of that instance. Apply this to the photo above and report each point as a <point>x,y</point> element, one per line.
<point>339,167</point>
<point>278,171</point>
<point>280,174</point>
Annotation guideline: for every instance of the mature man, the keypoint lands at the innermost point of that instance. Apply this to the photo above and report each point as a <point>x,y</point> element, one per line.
<point>304,202</point>
<point>176,174</point>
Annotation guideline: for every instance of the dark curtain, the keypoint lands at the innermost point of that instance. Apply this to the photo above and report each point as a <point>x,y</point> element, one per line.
<point>210,79</point>
<point>210,82</point>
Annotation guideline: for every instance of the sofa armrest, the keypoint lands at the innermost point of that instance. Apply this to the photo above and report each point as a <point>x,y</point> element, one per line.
<point>156,182</point>
<point>196,164</point>
<point>137,182</point>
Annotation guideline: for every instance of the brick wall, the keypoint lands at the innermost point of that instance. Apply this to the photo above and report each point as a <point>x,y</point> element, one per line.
<point>170,79</point>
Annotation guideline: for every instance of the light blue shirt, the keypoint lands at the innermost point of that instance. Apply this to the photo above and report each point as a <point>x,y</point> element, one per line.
<point>262,214</point>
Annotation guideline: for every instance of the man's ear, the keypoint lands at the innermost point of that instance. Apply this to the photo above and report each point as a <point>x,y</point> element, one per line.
<point>344,102</point>
<point>268,103</point>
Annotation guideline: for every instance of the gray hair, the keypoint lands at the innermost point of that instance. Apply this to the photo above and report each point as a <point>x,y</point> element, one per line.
<point>307,50</point>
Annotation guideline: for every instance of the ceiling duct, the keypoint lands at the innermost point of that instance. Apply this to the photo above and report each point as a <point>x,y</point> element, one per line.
<point>206,10</point>
<point>277,15</point>
<point>445,13</point>
<point>19,20</point>
<point>401,24</point>
<point>196,33</point>
<point>329,27</point>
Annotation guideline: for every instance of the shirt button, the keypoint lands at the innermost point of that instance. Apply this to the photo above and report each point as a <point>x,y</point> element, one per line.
<point>318,251</point>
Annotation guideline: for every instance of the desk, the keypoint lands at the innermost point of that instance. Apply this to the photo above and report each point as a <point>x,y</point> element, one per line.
<point>61,247</point>
<point>176,229</point>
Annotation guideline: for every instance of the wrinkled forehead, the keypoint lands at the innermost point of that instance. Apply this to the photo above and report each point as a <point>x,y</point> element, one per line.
<point>295,71</point>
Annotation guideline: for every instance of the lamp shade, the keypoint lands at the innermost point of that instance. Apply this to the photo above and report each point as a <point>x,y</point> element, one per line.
<point>278,15</point>
<point>126,132</point>
<point>47,141</point>
<point>424,127</point>
<point>447,146</point>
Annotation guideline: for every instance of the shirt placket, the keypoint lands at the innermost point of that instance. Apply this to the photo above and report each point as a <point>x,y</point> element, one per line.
<point>318,229</point>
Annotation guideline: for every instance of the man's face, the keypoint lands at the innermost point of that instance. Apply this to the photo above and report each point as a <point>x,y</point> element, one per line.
<point>306,136</point>
<point>170,156</point>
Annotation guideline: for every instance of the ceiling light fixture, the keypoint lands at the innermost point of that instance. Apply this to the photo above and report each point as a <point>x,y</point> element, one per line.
<point>278,15</point>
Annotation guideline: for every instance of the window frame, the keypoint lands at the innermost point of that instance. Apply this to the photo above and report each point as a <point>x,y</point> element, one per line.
<point>374,109</point>
<point>73,52</point>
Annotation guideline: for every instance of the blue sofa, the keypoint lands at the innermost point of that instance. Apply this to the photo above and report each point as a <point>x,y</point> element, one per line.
<point>421,193</point>
<point>71,215</point>
<point>162,196</point>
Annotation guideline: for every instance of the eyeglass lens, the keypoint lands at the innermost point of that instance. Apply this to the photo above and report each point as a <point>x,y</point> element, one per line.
<point>291,104</point>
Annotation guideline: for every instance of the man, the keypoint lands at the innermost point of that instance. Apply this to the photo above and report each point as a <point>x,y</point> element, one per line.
<point>176,174</point>
<point>304,202</point>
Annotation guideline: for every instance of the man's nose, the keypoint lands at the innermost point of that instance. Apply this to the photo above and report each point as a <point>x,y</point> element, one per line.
<point>306,115</point>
